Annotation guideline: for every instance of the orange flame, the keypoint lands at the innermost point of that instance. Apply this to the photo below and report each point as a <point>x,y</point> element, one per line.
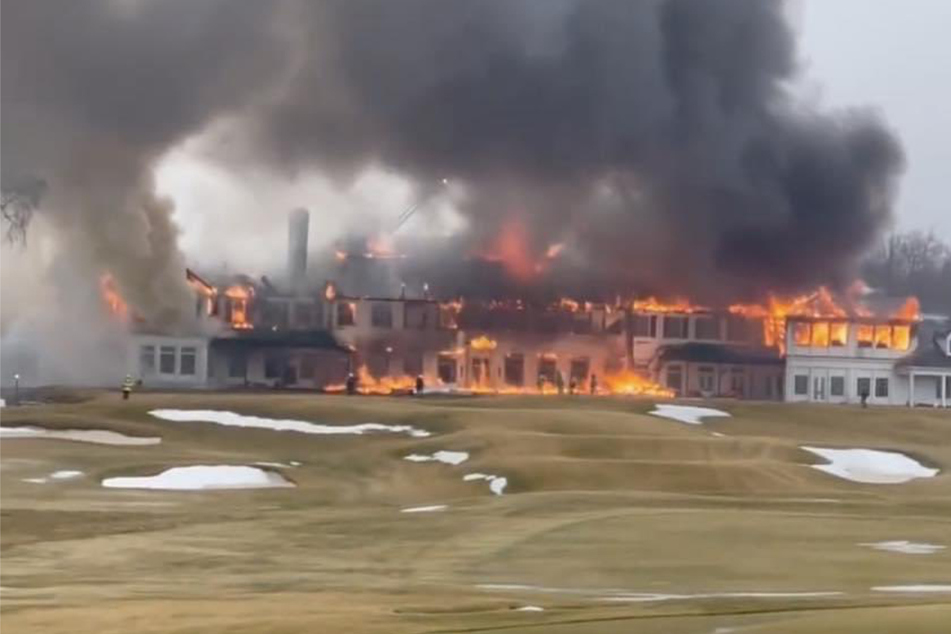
<point>629,383</point>
<point>111,297</point>
<point>368,384</point>
<point>240,296</point>
<point>483,343</point>
<point>653,305</point>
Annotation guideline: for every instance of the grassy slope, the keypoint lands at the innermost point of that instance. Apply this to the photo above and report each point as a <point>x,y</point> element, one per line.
<point>600,496</point>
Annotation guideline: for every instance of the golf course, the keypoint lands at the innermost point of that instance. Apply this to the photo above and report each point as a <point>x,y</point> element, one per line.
<point>470,514</point>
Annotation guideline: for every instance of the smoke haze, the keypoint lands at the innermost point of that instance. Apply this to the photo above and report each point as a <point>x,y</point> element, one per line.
<point>656,139</point>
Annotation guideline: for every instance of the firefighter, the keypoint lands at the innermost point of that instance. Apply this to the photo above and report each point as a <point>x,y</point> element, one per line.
<point>420,385</point>
<point>594,384</point>
<point>351,384</point>
<point>127,386</point>
<point>559,382</point>
<point>864,397</point>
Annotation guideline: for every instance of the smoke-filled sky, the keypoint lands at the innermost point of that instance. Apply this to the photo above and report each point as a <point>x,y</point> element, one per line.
<point>667,143</point>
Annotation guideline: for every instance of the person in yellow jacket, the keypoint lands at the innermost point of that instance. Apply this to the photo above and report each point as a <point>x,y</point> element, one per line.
<point>127,386</point>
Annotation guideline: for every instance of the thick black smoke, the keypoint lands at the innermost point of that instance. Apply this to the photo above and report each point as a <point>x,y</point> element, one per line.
<point>656,138</point>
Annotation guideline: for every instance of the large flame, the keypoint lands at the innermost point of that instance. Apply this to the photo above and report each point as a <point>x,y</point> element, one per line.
<point>654,305</point>
<point>240,297</point>
<point>630,383</point>
<point>368,384</point>
<point>111,297</point>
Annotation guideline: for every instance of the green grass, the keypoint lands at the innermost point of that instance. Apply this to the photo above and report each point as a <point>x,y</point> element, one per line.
<point>600,496</point>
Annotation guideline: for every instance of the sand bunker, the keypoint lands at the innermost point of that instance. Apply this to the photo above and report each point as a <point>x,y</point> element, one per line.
<point>870,466</point>
<point>685,413</point>
<point>199,478</point>
<point>905,547</point>
<point>232,419</point>
<point>446,457</point>
<point>97,436</point>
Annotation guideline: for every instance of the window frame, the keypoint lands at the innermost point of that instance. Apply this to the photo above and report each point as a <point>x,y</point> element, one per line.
<point>186,352</point>
<point>801,381</point>
<point>168,353</point>
<point>879,382</point>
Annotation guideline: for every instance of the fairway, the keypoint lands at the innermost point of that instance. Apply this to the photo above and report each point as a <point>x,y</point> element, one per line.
<point>608,520</point>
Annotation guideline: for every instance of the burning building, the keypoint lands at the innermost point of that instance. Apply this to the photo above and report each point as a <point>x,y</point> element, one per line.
<point>816,347</point>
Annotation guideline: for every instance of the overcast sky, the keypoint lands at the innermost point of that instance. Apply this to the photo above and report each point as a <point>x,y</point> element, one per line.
<point>895,55</point>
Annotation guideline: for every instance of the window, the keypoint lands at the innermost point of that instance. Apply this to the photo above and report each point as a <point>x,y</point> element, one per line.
<point>276,314</point>
<point>579,370</point>
<point>346,314</point>
<point>273,366</point>
<point>838,335</point>
<point>820,334</point>
<point>802,333</point>
<point>645,326</point>
<point>446,368</point>
<point>706,328</point>
<point>186,363</point>
<point>146,360</point>
<point>901,337</point>
<point>381,316</point>
<point>881,388</point>
<point>238,365</point>
<point>167,360</point>
<point>514,369</point>
<point>308,367</point>
<point>675,377</point>
<point>837,386</point>
<point>416,315</point>
<point>706,376</point>
<point>801,385</point>
<point>883,336</point>
<point>675,327</point>
<point>738,381</point>
<point>547,367</point>
<point>863,386</point>
<point>864,335</point>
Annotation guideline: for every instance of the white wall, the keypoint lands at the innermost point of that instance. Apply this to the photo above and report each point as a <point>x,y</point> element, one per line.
<point>822,369</point>
<point>175,378</point>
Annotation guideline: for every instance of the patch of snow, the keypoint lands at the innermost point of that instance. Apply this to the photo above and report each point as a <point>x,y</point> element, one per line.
<point>295,463</point>
<point>619,595</point>
<point>202,477</point>
<point>446,457</point>
<point>425,509</point>
<point>914,588</point>
<point>65,475</point>
<point>3,402</point>
<point>497,484</point>
<point>530,608</point>
<point>276,465</point>
<point>231,419</point>
<point>717,434</point>
<point>97,436</point>
<point>35,480</point>
<point>685,413</point>
<point>906,547</point>
<point>870,466</point>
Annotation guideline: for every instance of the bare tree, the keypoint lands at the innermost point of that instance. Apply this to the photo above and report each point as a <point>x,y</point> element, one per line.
<point>914,263</point>
<point>17,204</point>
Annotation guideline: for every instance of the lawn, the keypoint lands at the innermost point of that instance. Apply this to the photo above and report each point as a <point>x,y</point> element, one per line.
<point>612,520</point>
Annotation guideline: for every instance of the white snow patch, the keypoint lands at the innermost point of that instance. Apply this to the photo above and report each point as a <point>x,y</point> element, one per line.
<point>446,457</point>
<point>276,465</point>
<point>870,466</point>
<point>425,509</point>
<point>202,477</point>
<point>97,436</point>
<point>497,484</point>
<point>56,475</point>
<point>914,588</point>
<point>295,463</point>
<point>530,608</point>
<point>615,594</point>
<point>685,413</point>
<point>906,547</point>
<point>231,419</point>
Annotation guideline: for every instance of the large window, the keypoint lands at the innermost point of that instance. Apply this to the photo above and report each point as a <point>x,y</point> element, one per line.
<point>707,378</point>
<point>167,360</point>
<point>382,315</point>
<point>740,328</point>
<point>514,369</point>
<point>276,314</point>
<point>645,326</point>
<point>675,327</point>
<point>305,315</point>
<point>738,382</point>
<point>863,386</point>
<point>864,335</point>
<point>416,315</point>
<point>901,337</point>
<point>706,327</point>
<point>800,385</point>
<point>820,334</point>
<point>883,336</point>
<point>802,333</point>
<point>837,386</point>
<point>580,367</point>
<point>881,388</point>
<point>273,365</point>
<point>147,360</point>
<point>838,334</point>
<point>308,367</point>
<point>446,368</point>
<point>187,360</point>
<point>547,367</point>
<point>346,314</point>
<point>675,377</point>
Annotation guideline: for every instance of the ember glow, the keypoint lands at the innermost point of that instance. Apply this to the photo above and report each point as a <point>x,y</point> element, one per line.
<point>629,383</point>
<point>653,305</point>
